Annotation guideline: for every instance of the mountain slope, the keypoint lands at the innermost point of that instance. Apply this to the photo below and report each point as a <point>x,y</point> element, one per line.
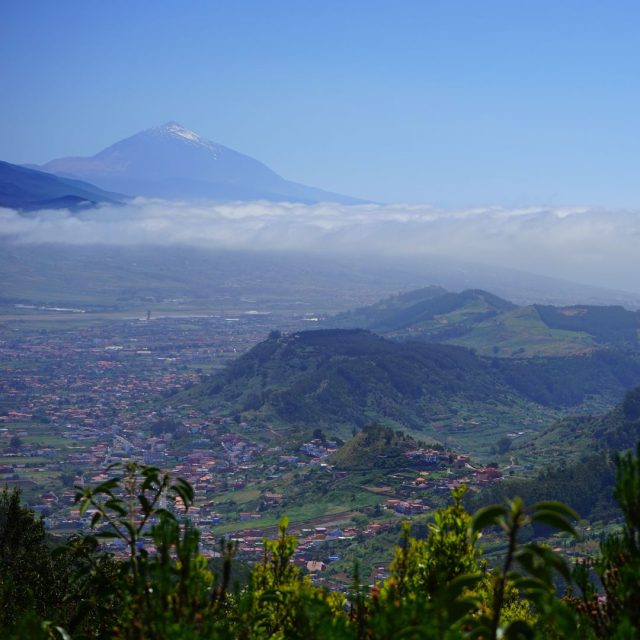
<point>171,161</point>
<point>490,325</point>
<point>376,446</point>
<point>607,324</point>
<point>346,378</point>
<point>577,436</point>
<point>422,311</point>
<point>28,189</point>
<point>578,454</point>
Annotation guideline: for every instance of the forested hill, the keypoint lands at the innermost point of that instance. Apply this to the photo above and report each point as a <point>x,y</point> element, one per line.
<point>354,377</point>
<point>375,445</point>
<point>581,436</point>
<point>584,474</point>
<point>493,326</point>
<point>611,324</point>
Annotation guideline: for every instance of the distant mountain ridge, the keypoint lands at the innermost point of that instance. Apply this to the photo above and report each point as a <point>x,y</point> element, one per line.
<point>492,326</point>
<point>414,307</point>
<point>28,190</point>
<point>171,161</point>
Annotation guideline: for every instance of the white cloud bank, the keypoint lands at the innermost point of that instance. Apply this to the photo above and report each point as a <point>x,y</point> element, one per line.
<point>595,246</point>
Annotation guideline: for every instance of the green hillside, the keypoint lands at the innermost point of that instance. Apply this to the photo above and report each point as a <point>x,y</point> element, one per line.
<point>341,379</point>
<point>351,377</point>
<point>608,325</point>
<point>578,455</point>
<point>582,436</point>
<point>493,326</point>
<point>375,447</point>
<point>426,312</point>
<point>522,333</point>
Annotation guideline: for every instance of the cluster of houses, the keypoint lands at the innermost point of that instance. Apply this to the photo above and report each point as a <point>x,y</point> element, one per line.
<point>318,449</point>
<point>92,389</point>
<point>406,507</point>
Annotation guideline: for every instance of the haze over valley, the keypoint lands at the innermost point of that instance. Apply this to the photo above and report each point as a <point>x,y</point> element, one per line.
<point>583,245</point>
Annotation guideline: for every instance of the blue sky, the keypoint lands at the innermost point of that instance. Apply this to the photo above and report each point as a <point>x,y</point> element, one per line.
<point>452,103</point>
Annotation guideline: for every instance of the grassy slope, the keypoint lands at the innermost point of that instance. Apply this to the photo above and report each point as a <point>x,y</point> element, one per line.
<point>492,326</point>
<point>522,333</point>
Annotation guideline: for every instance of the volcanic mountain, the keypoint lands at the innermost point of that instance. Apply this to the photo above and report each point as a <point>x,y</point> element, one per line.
<point>171,161</point>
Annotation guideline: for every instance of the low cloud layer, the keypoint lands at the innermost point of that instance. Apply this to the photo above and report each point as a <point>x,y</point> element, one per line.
<point>595,246</point>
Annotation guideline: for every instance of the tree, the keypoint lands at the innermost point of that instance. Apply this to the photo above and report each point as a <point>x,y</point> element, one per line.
<point>440,587</point>
<point>424,567</point>
<point>504,444</point>
<point>28,580</point>
<point>618,568</point>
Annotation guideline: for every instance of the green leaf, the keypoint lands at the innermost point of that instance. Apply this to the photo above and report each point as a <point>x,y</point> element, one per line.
<point>90,540</point>
<point>554,519</point>
<point>551,559</point>
<point>84,505</point>
<point>558,507</point>
<point>144,503</point>
<point>151,471</point>
<point>116,505</point>
<point>526,559</point>
<point>457,586</point>
<point>184,490</point>
<point>518,630</point>
<point>163,513</point>
<point>107,534</point>
<point>63,634</point>
<point>414,631</point>
<point>95,519</point>
<point>530,584</point>
<point>107,486</point>
<point>130,528</point>
<point>185,500</point>
<point>487,517</point>
<point>60,551</point>
<point>272,595</point>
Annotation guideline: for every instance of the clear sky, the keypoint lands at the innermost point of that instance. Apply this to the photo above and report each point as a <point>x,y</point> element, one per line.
<point>479,102</point>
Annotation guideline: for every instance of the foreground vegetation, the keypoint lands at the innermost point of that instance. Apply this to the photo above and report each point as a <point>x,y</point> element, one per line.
<point>160,587</point>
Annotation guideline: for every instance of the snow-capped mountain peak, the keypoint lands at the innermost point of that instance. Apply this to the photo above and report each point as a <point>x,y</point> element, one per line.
<point>171,161</point>
<point>174,128</point>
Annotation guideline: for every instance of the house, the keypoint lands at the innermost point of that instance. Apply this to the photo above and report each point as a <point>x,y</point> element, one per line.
<point>249,515</point>
<point>489,474</point>
<point>313,566</point>
<point>461,461</point>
